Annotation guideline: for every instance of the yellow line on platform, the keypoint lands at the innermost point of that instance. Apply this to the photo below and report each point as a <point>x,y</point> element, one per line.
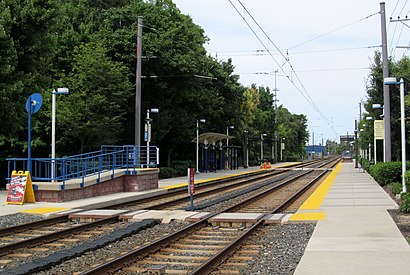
<point>316,199</point>
<point>44,210</point>
<point>308,216</point>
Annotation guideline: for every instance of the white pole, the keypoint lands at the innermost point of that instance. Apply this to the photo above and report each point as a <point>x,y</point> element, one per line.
<point>53,133</point>
<point>148,137</point>
<point>403,137</point>
<point>375,151</point>
<point>197,147</point>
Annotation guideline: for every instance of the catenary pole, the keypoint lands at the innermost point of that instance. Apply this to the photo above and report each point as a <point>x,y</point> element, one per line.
<point>386,93</point>
<point>138,86</point>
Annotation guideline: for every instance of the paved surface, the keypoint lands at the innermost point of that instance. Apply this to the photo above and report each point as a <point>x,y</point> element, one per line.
<point>357,234</point>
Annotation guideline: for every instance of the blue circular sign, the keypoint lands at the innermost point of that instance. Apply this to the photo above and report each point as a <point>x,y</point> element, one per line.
<point>34,103</point>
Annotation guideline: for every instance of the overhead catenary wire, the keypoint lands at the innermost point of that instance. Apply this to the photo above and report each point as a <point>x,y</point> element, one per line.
<point>302,90</point>
<point>262,52</point>
<point>335,30</point>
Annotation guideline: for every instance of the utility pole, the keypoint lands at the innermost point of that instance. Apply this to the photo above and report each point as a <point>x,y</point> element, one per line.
<point>138,87</point>
<point>386,93</point>
<point>276,123</point>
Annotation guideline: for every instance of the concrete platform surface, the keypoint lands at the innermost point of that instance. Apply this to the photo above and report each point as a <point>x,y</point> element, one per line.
<point>357,234</point>
<point>106,200</point>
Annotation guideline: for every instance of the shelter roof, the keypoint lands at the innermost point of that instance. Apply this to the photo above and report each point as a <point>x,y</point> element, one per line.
<point>211,138</point>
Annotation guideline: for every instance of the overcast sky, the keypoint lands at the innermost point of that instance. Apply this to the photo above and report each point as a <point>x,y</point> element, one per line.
<point>329,44</point>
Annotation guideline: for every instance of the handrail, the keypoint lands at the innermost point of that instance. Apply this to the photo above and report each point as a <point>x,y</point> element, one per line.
<point>109,158</point>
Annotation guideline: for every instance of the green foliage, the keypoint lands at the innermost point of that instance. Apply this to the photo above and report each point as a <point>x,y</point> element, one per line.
<point>364,163</point>
<point>89,47</point>
<point>167,172</point>
<point>386,172</point>
<point>396,187</point>
<point>405,204</point>
<point>178,169</point>
<point>94,112</point>
<point>293,158</point>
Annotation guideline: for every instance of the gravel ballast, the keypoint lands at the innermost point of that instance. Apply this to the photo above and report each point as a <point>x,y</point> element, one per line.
<point>282,247</point>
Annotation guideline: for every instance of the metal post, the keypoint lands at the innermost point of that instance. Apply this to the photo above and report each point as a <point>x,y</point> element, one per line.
<point>261,148</point>
<point>197,144</point>
<point>138,87</point>
<point>375,151</point>
<point>148,136</point>
<point>403,137</point>
<point>356,165</point>
<point>29,137</point>
<point>197,147</point>
<point>53,134</point>
<point>386,94</point>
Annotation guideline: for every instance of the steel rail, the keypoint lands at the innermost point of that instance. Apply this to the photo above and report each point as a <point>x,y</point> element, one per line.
<point>302,191</point>
<point>214,261</point>
<point>130,257</point>
<point>32,225</point>
<point>114,265</point>
<point>271,189</point>
<point>6,249</point>
<point>224,254</point>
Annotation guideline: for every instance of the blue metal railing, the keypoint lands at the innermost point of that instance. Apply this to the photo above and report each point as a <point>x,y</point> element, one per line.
<point>109,158</point>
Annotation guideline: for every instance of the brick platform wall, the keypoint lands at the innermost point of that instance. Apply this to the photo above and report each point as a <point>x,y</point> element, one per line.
<point>128,183</point>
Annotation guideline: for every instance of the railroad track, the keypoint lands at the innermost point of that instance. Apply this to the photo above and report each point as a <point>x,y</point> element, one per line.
<point>199,248</point>
<point>38,239</point>
<point>244,229</point>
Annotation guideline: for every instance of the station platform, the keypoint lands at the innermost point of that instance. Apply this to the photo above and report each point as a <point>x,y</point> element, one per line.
<point>107,200</point>
<point>354,233</point>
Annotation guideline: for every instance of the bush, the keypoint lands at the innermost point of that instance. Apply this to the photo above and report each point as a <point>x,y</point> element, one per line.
<point>364,163</point>
<point>167,172</point>
<point>181,166</point>
<point>386,172</point>
<point>293,158</point>
<point>405,205</point>
<point>396,187</point>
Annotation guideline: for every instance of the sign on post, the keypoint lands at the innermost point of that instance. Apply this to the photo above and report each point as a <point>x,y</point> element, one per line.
<point>378,129</point>
<point>191,186</point>
<point>191,181</point>
<point>20,189</point>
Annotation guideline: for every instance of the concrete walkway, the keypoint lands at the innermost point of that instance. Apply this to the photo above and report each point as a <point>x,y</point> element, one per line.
<point>357,234</point>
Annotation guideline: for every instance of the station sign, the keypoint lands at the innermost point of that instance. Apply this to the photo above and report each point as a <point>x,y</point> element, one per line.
<point>379,129</point>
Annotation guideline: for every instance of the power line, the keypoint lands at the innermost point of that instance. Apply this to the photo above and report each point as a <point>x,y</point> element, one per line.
<point>264,52</point>
<point>335,30</point>
<point>301,90</point>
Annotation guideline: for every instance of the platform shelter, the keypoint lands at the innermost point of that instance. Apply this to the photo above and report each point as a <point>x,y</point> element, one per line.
<point>215,154</point>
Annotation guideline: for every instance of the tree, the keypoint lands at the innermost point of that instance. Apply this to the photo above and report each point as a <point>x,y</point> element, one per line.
<point>94,112</point>
<point>399,69</point>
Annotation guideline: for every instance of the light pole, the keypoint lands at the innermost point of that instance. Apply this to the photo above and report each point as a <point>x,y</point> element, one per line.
<point>369,118</point>
<point>282,147</point>
<point>262,135</point>
<point>197,143</point>
<point>245,147</point>
<point>227,145</point>
<point>147,133</point>
<point>227,133</point>
<point>54,93</point>
<point>393,81</point>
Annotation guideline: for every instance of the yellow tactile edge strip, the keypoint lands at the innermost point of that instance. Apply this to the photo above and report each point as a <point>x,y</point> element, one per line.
<point>315,200</point>
<point>44,210</point>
